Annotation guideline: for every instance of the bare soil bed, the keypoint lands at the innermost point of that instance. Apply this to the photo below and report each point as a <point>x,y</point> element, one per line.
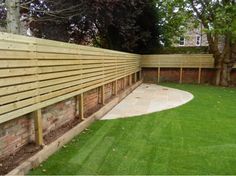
<point>10,162</point>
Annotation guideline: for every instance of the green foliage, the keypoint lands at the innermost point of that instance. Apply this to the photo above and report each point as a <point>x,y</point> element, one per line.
<point>218,17</point>
<point>197,138</point>
<point>130,26</point>
<point>3,23</point>
<point>174,20</point>
<point>183,50</point>
<point>125,25</point>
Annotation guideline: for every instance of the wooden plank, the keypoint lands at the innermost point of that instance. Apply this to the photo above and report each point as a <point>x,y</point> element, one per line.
<point>17,97</point>
<point>33,107</point>
<point>17,80</point>
<point>114,88</point>
<point>103,94</point>
<point>178,60</point>
<point>100,95</point>
<point>38,126</point>
<point>17,105</point>
<point>199,75</point>
<point>158,74</point>
<point>81,106</point>
<point>181,75</point>
<point>17,88</point>
<point>17,63</point>
<point>123,83</point>
<point>130,80</point>
<point>140,74</point>
<point>17,72</point>
<point>36,73</point>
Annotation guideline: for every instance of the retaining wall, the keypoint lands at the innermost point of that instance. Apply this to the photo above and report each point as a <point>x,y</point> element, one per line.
<point>18,132</point>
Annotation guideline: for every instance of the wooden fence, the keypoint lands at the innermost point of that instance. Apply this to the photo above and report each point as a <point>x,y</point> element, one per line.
<point>178,61</point>
<point>181,61</point>
<point>35,73</point>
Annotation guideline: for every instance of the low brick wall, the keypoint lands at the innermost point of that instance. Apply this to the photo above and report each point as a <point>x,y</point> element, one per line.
<point>190,75</point>
<point>18,132</point>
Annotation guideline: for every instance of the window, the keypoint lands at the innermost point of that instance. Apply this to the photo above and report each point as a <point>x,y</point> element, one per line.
<point>181,41</point>
<point>198,40</point>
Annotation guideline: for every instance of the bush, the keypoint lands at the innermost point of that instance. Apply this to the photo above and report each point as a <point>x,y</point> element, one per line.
<point>183,50</point>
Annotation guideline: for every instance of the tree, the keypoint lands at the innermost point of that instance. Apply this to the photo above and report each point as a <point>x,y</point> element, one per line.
<point>125,25</point>
<point>121,25</point>
<point>219,20</point>
<point>13,16</point>
<point>174,20</point>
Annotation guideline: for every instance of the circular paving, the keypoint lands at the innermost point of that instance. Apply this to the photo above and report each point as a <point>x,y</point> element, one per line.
<point>148,98</point>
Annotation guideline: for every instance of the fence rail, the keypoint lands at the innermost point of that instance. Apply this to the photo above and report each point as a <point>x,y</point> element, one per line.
<point>35,73</point>
<point>178,61</point>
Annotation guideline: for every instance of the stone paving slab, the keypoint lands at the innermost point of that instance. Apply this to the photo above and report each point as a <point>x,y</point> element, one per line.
<point>148,98</point>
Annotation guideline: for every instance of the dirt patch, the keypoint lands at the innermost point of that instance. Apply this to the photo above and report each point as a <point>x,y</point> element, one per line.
<point>55,134</point>
<point>92,111</point>
<point>10,162</point>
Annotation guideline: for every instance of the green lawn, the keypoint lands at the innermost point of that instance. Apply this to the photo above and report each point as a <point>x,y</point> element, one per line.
<point>196,138</point>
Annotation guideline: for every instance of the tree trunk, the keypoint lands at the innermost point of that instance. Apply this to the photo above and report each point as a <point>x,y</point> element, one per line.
<point>224,76</point>
<point>223,73</point>
<point>13,16</point>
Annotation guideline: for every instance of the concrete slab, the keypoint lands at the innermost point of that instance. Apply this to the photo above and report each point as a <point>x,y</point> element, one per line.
<point>148,98</point>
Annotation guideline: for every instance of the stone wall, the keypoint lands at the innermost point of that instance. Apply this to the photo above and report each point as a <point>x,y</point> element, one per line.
<point>18,132</point>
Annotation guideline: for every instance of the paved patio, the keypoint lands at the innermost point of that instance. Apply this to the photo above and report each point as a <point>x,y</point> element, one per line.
<point>149,98</point>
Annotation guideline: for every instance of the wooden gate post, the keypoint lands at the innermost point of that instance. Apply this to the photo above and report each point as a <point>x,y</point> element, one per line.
<point>38,127</point>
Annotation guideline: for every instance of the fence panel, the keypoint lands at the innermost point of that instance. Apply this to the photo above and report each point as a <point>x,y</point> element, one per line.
<point>178,61</point>
<point>35,73</point>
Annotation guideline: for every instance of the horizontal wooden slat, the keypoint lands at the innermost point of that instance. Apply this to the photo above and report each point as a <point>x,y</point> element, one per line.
<point>178,60</point>
<point>36,73</point>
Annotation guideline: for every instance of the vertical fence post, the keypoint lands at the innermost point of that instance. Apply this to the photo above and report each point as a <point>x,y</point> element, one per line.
<point>123,83</point>
<point>116,87</point>
<point>102,88</point>
<point>135,77</point>
<point>130,80</point>
<point>81,106</point>
<point>181,75</point>
<point>77,105</point>
<point>158,74</point>
<point>199,75</point>
<point>37,115</point>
